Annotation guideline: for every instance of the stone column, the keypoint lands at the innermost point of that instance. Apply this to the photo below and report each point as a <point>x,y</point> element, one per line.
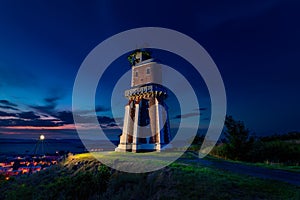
<point>123,145</point>
<point>123,139</point>
<point>136,128</point>
<point>152,116</point>
<point>159,125</point>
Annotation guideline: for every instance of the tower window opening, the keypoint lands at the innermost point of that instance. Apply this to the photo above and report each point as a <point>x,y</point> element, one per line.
<point>148,71</point>
<point>136,74</point>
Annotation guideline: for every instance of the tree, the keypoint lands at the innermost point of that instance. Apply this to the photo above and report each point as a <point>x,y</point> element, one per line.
<point>238,142</point>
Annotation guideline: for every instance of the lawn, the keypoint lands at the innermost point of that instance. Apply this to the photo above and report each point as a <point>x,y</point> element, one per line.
<point>83,177</point>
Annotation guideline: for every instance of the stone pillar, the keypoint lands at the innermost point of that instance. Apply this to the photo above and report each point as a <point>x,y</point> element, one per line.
<point>136,128</point>
<point>152,116</point>
<point>123,145</point>
<point>123,139</point>
<point>159,125</point>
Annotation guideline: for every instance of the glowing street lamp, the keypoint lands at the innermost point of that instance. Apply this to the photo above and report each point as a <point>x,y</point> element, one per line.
<point>42,137</point>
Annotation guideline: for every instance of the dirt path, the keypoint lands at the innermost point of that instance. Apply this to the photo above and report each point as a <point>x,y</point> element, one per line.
<point>259,172</point>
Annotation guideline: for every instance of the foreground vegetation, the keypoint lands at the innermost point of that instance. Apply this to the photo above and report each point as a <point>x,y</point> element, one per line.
<point>238,145</point>
<point>83,177</point>
<point>281,153</point>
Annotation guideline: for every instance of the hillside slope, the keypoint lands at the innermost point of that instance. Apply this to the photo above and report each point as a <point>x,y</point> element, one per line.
<point>83,177</point>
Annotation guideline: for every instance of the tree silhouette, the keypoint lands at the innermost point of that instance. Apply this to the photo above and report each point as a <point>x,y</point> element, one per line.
<point>238,142</point>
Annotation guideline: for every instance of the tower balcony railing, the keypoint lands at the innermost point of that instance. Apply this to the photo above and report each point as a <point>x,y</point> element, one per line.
<point>148,88</point>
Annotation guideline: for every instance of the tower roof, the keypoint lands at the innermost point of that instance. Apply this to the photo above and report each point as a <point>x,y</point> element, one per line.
<point>138,56</point>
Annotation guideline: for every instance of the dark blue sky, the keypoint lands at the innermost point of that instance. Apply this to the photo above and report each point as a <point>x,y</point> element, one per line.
<point>255,45</point>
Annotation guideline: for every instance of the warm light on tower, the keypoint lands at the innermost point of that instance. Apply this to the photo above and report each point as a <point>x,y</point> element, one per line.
<point>42,137</point>
<point>146,123</point>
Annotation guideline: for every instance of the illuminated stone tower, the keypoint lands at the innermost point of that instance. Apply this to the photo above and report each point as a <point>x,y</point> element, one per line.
<point>146,122</point>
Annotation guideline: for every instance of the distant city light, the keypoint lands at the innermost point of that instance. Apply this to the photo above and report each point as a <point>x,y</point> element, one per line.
<point>42,137</point>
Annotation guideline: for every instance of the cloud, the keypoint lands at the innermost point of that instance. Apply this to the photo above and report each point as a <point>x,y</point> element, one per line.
<point>9,107</point>
<point>24,122</point>
<point>192,114</point>
<point>44,109</point>
<point>7,103</point>
<point>47,116</point>
<point>48,107</point>
<point>105,120</point>
<point>28,115</point>
<point>51,100</point>
<point>97,109</point>
<point>26,119</point>
<point>112,124</point>
<point>6,114</point>
<point>66,117</point>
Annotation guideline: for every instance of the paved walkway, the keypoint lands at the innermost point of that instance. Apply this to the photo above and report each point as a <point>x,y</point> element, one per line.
<point>259,172</point>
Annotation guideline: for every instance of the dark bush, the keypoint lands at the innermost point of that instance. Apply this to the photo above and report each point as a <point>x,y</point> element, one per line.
<point>239,146</point>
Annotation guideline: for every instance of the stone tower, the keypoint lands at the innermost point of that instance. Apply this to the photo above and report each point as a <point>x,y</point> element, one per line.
<point>146,122</point>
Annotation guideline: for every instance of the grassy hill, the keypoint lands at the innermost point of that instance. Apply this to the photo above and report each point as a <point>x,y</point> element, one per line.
<point>83,177</point>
